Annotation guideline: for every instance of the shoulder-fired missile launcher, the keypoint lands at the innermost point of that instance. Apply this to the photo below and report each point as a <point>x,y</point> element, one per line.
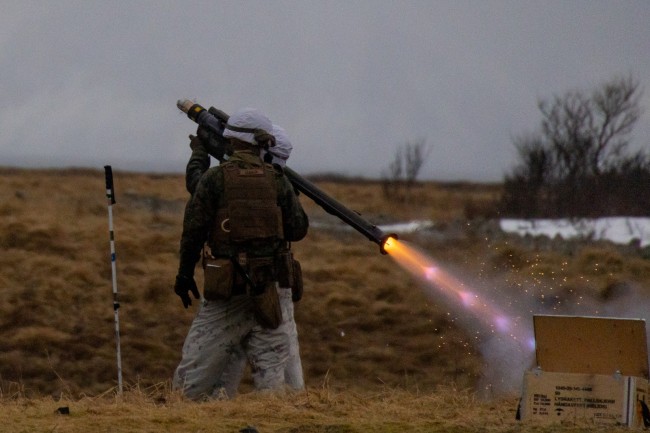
<point>214,120</point>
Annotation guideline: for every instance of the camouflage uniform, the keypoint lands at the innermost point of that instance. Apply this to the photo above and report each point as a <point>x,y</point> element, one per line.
<point>212,361</point>
<point>198,164</point>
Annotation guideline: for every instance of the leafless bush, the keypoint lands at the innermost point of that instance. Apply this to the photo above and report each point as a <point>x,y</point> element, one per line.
<point>402,173</point>
<point>577,164</point>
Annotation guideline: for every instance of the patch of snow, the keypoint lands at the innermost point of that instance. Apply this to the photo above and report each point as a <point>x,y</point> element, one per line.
<point>620,230</point>
<point>407,227</point>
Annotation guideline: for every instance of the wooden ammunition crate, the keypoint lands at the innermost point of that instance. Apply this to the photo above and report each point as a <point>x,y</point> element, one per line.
<point>589,369</point>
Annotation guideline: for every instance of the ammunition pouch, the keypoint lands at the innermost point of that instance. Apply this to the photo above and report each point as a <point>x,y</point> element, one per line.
<point>290,274</point>
<point>297,287</point>
<point>218,278</point>
<point>285,271</point>
<point>263,292</point>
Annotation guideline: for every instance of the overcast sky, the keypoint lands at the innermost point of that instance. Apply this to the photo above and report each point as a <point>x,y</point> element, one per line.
<point>90,83</point>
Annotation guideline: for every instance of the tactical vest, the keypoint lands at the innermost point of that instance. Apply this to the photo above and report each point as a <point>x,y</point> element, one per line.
<point>250,210</point>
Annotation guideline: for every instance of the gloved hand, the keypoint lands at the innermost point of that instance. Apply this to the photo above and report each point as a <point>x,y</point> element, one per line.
<point>196,142</point>
<point>183,286</point>
<point>214,145</point>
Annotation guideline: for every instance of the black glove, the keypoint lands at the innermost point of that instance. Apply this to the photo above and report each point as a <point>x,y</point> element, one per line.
<point>196,142</point>
<point>215,145</point>
<point>183,286</point>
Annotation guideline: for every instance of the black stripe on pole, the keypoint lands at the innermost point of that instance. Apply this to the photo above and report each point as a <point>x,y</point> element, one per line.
<point>108,171</point>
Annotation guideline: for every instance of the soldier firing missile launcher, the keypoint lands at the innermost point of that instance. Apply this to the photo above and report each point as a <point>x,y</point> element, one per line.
<point>214,120</point>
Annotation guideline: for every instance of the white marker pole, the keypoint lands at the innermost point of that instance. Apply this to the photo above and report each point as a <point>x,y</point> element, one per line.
<point>110,196</point>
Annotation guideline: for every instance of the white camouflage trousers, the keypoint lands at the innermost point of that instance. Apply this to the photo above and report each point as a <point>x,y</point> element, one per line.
<point>224,336</point>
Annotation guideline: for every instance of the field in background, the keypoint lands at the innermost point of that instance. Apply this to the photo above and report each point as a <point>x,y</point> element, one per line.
<point>366,326</point>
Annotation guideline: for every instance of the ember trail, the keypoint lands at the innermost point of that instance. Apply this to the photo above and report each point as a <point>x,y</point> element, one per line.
<point>436,278</point>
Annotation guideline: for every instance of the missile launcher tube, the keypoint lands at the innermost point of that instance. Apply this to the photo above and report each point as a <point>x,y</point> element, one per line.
<point>206,119</point>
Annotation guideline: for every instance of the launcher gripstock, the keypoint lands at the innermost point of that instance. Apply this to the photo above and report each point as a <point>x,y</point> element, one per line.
<point>213,120</point>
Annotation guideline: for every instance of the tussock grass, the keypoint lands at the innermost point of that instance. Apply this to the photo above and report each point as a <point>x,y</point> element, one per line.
<point>320,410</point>
<point>379,352</point>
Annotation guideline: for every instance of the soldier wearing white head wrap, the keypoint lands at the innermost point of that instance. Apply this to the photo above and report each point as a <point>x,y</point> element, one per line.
<point>293,373</point>
<point>249,126</point>
<point>279,153</point>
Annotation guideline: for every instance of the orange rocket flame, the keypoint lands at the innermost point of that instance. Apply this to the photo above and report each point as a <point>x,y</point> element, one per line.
<point>425,268</point>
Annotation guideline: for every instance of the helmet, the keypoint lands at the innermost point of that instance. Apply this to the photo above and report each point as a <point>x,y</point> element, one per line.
<point>249,125</point>
<point>280,152</point>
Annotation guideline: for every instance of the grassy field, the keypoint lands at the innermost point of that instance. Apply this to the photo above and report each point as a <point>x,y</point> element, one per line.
<point>312,411</point>
<point>380,353</point>
<point>316,410</point>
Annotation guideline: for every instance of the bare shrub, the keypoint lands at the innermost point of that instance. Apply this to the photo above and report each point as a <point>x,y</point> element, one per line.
<point>402,173</point>
<point>578,164</point>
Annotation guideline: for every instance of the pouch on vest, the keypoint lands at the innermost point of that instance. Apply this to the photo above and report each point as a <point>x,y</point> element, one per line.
<point>218,279</point>
<point>297,286</point>
<point>264,293</point>
<point>266,307</point>
<point>290,275</point>
<point>284,265</point>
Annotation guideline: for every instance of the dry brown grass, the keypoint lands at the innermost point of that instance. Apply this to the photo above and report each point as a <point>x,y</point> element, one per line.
<point>318,410</point>
<point>378,353</point>
<point>56,291</point>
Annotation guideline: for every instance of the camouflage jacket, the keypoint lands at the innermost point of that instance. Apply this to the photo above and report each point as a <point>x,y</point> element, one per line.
<point>200,213</point>
<point>204,145</point>
<point>197,165</point>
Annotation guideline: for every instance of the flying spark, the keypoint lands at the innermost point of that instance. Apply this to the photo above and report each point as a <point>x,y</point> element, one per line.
<point>425,268</point>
